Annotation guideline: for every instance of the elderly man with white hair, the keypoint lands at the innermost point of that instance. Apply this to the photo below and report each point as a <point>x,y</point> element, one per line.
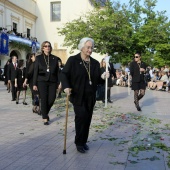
<point>80,78</point>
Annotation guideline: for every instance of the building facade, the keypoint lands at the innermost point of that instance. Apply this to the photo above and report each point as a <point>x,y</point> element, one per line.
<point>53,14</point>
<point>18,19</point>
<point>40,19</point>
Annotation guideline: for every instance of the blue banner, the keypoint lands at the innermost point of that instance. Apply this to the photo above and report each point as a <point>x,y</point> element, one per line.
<point>4,44</point>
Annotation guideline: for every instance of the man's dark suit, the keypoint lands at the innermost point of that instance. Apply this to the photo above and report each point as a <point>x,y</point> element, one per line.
<point>46,81</point>
<point>11,77</point>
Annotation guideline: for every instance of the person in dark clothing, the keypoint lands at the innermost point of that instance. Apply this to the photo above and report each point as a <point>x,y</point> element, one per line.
<point>6,76</point>
<point>103,69</point>
<point>137,71</point>
<point>29,80</point>
<point>45,79</point>
<point>80,77</point>
<point>11,76</point>
<point>59,79</point>
<point>112,70</point>
<point>19,81</point>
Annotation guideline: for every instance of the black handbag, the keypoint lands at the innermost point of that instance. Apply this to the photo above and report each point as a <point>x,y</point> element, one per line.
<point>100,92</point>
<point>36,100</point>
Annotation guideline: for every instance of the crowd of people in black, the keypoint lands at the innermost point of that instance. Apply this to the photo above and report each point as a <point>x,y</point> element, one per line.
<point>80,78</point>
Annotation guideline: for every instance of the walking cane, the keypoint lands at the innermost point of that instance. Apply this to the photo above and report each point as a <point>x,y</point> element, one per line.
<point>65,135</point>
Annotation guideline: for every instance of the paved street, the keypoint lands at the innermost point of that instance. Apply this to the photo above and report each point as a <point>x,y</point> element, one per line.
<point>121,138</point>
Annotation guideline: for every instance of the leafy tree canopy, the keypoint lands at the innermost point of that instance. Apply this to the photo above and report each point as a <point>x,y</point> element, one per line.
<point>123,28</point>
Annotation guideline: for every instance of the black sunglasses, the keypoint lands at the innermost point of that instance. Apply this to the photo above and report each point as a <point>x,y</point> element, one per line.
<point>136,56</point>
<point>47,46</point>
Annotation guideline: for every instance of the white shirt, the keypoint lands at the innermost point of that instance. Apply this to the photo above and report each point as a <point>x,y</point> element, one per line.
<point>151,73</point>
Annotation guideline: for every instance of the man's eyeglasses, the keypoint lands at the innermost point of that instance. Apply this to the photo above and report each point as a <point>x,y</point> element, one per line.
<point>47,46</point>
<point>136,56</point>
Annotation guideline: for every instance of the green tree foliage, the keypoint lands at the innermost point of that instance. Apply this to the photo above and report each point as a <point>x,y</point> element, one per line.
<point>123,28</point>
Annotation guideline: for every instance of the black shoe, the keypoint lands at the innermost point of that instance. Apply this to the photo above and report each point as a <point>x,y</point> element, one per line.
<point>24,103</point>
<point>110,101</point>
<point>46,123</point>
<point>59,96</point>
<point>137,106</point>
<point>16,102</point>
<point>34,110</point>
<point>39,112</point>
<point>85,147</point>
<point>80,149</point>
<point>13,99</point>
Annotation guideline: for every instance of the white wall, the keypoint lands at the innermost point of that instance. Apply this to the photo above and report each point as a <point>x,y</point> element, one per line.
<point>28,5</point>
<point>70,10</point>
<point>22,12</point>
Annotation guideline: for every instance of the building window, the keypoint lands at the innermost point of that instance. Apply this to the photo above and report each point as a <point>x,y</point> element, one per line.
<point>56,11</point>
<point>14,27</point>
<point>28,33</point>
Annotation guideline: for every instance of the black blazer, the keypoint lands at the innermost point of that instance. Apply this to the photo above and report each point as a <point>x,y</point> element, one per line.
<point>11,72</point>
<point>74,76</point>
<point>40,69</point>
<point>135,72</point>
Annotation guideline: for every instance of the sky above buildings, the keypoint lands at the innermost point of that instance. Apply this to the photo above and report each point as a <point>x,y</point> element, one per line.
<point>161,5</point>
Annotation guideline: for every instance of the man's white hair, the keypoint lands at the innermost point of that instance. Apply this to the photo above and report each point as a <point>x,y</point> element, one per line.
<point>83,42</point>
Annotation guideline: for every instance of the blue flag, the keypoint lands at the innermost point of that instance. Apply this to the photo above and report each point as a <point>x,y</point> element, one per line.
<point>4,44</point>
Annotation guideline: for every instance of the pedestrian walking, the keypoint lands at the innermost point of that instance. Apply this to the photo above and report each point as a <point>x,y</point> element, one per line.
<point>45,79</point>
<point>19,81</point>
<point>11,76</point>
<point>6,76</point>
<point>80,77</point>
<point>137,71</point>
<point>29,81</point>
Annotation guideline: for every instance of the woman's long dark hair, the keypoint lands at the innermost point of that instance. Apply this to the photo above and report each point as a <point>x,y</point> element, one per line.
<point>29,58</point>
<point>20,63</point>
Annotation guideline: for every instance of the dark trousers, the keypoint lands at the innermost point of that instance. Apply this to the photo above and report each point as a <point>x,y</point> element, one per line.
<point>47,92</point>
<point>83,116</point>
<point>14,91</point>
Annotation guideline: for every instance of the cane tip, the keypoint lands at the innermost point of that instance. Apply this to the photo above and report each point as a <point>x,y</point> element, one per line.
<point>64,151</point>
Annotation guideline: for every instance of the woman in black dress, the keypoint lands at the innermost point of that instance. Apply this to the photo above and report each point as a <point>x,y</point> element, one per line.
<point>19,81</point>
<point>137,71</point>
<point>29,80</point>
<point>6,76</point>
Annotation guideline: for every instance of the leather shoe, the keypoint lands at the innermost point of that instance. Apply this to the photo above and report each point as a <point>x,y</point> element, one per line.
<point>16,102</point>
<point>46,123</point>
<point>85,147</point>
<point>110,101</point>
<point>137,106</point>
<point>80,149</point>
<point>24,103</point>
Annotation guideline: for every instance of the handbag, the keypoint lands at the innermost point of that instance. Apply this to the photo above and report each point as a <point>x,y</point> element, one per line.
<point>100,92</point>
<point>36,100</point>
